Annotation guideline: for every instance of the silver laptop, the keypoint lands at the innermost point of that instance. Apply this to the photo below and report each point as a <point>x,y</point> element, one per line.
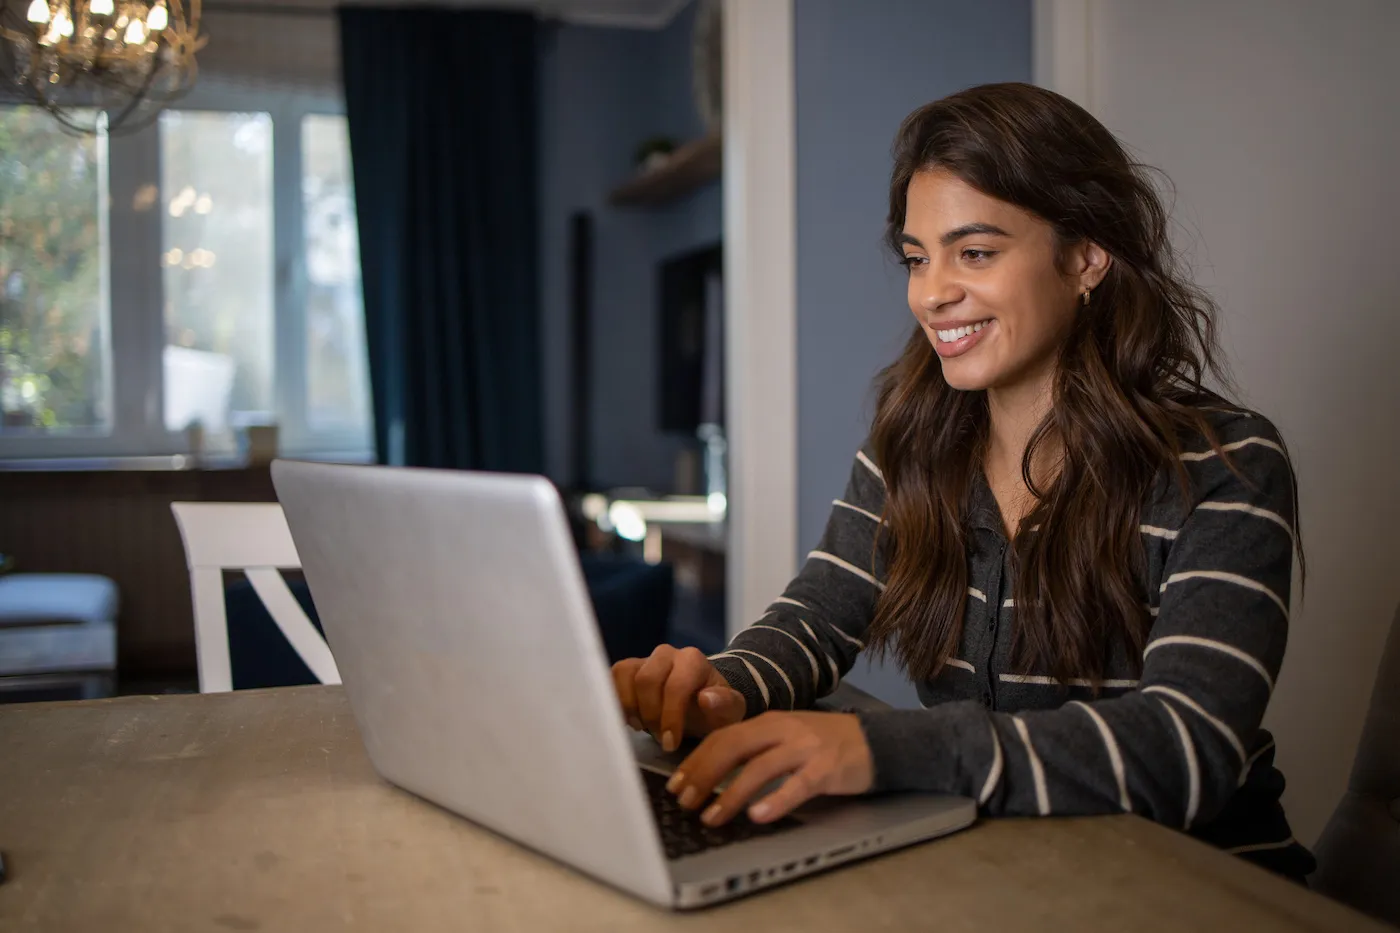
<point>456,610</point>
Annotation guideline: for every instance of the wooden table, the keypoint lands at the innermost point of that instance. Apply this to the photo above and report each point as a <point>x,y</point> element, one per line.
<point>259,811</point>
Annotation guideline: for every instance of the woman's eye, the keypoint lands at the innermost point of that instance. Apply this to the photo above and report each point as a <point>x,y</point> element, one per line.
<point>909,262</point>
<point>978,255</point>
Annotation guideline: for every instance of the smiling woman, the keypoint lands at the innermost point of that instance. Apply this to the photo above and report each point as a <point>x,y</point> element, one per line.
<point>1081,556</point>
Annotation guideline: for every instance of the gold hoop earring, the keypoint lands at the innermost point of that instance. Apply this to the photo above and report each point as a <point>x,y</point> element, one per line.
<point>1086,295</point>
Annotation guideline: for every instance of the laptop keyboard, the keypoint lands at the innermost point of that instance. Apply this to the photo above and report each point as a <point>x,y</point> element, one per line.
<point>682,833</point>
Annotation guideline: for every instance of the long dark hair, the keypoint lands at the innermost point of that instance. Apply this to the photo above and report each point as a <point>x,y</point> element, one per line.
<point>1128,387</point>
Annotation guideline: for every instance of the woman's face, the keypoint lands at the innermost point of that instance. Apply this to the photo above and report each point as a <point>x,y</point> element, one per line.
<point>984,285</point>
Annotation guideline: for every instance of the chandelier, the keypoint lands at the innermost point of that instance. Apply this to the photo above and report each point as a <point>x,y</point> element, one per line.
<point>102,63</point>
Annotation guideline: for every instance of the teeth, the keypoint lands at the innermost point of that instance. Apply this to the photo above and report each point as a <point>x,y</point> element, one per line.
<point>957,333</point>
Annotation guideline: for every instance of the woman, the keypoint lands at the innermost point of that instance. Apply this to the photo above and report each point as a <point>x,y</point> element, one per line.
<point>1080,555</point>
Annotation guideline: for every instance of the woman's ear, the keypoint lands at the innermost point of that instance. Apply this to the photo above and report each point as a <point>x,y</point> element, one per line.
<point>1093,263</point>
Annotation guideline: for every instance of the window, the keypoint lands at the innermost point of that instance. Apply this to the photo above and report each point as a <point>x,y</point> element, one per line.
<point>54,360</point>
<point>220,289</point>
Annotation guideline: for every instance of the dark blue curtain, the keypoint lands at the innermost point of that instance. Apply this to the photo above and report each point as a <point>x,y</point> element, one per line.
<point>442,112</point>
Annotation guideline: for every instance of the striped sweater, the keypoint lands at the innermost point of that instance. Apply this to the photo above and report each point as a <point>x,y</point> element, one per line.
<point>1180,743</point>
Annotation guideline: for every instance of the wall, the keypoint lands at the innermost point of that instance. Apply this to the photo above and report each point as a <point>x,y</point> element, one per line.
<point>603,91</point>
<point>860,68</point>
<point>1281,138</point>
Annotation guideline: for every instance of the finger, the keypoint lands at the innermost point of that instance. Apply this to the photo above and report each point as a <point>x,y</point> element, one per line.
<point>623,674</point>
<point>649,683</point>
<point>800,787</point>
<point>721,706</point>
<point>689,673</point>
<point>724,750</point>
<point>774,763</point>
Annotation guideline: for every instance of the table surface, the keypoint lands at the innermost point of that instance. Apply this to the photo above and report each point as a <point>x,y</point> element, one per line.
<point>259,811</point>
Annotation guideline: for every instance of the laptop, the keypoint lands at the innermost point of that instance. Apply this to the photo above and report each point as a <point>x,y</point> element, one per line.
<point>456,610</point>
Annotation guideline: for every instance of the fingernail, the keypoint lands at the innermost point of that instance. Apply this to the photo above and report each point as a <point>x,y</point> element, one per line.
<point>668,741</point>
<point>711,814</point>
<point>689,798</point>
<point>710,700</point>
<point>758,811</point>
<point>676,781</point>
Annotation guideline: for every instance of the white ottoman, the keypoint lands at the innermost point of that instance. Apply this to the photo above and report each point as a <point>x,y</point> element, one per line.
<point>57,628</point>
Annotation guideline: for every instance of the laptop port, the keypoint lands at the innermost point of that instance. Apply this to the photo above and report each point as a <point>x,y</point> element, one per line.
<point>844,850</point>
<point>754,876</point>
<point>811,860</point>
<point>732,884</point>
<point>709,890</point>
<point>789,867</point>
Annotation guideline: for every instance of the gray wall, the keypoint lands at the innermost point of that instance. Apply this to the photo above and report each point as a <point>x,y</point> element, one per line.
<point>603,91</point>
<point>860,68</point>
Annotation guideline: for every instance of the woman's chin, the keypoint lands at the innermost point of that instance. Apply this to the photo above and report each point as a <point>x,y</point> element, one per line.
<point>965,376</point>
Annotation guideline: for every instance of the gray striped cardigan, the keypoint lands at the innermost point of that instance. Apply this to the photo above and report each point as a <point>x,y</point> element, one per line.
<point>1181,743</point>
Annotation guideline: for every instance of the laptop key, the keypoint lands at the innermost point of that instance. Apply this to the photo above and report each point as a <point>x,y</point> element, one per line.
<point>682,833</point>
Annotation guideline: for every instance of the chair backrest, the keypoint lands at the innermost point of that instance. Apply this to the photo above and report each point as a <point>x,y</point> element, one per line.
<point>253,538</point>
<point>1358,855</point>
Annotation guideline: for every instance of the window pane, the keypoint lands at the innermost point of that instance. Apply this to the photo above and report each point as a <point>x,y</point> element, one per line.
<point>337,386</point>
<point>216,183</point>
<point>54,357</point>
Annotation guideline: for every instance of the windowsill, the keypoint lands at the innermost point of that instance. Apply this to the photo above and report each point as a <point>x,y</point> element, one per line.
<point>176,462</point>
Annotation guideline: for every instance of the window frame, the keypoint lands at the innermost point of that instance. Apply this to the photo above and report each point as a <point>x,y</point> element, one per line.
<point>135,331</point>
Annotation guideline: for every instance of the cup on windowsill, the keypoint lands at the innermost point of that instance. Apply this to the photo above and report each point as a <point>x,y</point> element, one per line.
<point>262,441</point>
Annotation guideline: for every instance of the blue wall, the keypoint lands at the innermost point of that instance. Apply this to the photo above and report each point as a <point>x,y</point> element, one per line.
<point>860,69</point>
<point>603,91</point>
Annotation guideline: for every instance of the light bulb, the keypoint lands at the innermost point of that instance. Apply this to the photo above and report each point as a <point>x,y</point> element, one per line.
<point>100,7</point>
<point>157,19</point>
<point>38,12</point>
<point>63,23</point>
<point>135,32</point>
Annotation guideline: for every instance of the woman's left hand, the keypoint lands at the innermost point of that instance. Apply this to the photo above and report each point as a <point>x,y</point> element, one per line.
<point>821,753</point>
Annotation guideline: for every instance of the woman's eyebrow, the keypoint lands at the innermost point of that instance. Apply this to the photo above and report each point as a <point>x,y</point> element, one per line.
<point>957,233</point>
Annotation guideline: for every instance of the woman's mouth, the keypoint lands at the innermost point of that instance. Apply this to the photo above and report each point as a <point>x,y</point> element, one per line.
<point>955,341</point>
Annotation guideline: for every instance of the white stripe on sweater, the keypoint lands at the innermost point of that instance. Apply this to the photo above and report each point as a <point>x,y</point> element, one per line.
<point>792,602</point>
<point>1196,708</point>
<point>994,773</point>
<point>811,658</point>
<point>1236,445</point>
<point>1115,758</point>
<point>1249,762</point>
<point>960,664</point>
<point>1213,645</point>
<point>1226,577</point>
<point>1156,532</point>
<point>845,565</point>
<point>1008,604</point>
<point>1262,846</point>
<point>1193,769</point>
<point>975,593</point>
<point>792,694</point>
<point>855,508</point>
<point>835,671</point>
<point>870,465</point>
<point>1040,681</point>
<point>1249,510</point>
<point>753,672</point>
<point>1042,794</point>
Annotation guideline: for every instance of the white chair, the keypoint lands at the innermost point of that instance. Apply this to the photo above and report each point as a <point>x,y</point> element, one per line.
<point>254,539</point>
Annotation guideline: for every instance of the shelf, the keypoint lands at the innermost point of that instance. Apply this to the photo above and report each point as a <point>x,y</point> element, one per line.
<point>690,166</point>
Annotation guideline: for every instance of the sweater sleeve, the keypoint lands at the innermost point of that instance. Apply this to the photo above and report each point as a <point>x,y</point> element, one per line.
<point>812,634</point>
<point>1174,748</point>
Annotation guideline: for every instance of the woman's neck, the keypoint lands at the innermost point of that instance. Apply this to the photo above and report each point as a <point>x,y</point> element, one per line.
<point>1015,412</point>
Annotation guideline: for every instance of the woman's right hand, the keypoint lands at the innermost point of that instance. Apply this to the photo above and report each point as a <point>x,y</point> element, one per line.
<point>675,692</point>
